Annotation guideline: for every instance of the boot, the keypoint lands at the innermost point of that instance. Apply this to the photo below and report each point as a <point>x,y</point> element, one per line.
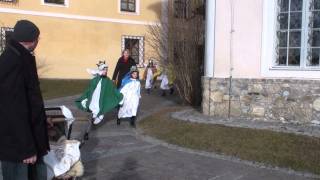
<point>171,91</point>
<point>163,93</point>
<point>133,121</point>
<point>118,121</point>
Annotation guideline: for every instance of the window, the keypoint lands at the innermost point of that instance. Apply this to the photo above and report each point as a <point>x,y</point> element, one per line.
<point>12,1</point>
<point>4,37</point>
<point>128,5</point>
<point>298,33</point>
<point>136,46</point>
<point>180,8</point>
<point>133,46</point>
<point>179,49</point>
<point>313,51</point>
<point>56,2</point>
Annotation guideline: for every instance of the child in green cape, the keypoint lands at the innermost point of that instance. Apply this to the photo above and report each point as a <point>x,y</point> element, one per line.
<point>101,95</point>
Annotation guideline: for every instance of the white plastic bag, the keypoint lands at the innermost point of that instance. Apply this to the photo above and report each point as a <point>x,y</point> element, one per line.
<point>62,157</point>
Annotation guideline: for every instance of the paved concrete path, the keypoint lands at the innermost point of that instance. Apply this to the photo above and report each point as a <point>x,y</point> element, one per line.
<point>121,152</point>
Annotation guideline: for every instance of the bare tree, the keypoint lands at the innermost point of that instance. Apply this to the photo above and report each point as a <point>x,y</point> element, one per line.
<point>178,41</point>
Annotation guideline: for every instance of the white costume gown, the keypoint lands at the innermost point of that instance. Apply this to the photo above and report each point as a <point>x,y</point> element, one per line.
<point>130,101</point>
<point>94,104</point>
<point>149,79</point>
<point>165,82</point>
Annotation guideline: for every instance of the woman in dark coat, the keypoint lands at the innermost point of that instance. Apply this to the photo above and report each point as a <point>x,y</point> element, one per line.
<point>123,66</point>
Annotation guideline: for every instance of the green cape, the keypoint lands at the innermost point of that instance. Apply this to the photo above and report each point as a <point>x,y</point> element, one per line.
<point>109,95</point>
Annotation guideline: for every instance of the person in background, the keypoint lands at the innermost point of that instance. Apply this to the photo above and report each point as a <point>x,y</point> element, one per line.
<point>148,76</point>
<point>167,80</point>
<point>123,66</point>
<point>23,122</point>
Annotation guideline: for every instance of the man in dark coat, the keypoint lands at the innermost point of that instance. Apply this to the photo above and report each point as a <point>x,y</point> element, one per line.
<point>23,126</point>
<point>123,66</point>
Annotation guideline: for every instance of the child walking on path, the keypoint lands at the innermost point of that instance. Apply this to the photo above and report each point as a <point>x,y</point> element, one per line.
<point>167,79</point>
<point>148,76</point>
<point>101,96</point>
<point>130,88</point>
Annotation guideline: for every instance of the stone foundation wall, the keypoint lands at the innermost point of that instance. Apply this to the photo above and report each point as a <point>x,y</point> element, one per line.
<point>295,101</point>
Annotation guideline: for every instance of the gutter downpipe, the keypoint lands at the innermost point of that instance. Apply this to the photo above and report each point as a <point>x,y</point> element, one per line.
<point>210,43</point>
<point>232,31</point>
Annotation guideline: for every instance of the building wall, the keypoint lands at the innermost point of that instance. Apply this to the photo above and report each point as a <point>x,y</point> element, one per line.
<point>68,45</point>
<point>247,39</point>
<point>148,11</point>
<point>284,100</point>
<point>257,90</point>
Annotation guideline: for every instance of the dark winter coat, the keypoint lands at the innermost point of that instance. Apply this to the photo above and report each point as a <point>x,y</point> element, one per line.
<point>23,126</point>
<point>122,68</point>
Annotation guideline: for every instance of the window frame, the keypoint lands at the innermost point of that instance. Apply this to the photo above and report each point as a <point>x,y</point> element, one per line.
<point>141,47</point>
<point>269,43</point>
<point>66,4</point>
<point>3,39</point>
<point>8,1</point>
<point>181,13</point>
<point>137,9</point>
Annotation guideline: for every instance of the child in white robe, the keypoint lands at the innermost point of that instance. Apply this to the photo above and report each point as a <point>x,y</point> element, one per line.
<point>165,84</point>
<point>130,88</point>
<point>148,76</point>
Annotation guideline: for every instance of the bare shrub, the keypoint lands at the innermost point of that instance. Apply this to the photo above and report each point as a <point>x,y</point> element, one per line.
<point>178,41</point>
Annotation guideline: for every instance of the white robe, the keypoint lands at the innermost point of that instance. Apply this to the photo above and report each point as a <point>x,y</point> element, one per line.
<point>149,79</point>
<point>130,101</point>
<point>165,82</point>
<point>94,104</point>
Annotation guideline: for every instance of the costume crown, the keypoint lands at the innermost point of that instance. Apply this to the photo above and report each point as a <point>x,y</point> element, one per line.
<point>134,69</point>
<point>102,65</point>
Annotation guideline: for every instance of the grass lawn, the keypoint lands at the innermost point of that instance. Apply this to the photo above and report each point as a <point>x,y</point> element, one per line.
<point>54,88</point>
<point>279,149</point>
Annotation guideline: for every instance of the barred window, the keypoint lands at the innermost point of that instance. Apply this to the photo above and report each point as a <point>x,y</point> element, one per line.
<point>298,33</point>
<point>4,37</point>
<point>57,2</point>
<point>180,8</point>
<point>135,44</point>
<point>128,5</point>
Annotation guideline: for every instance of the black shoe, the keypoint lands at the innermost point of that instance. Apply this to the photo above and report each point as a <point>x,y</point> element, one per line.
<point>133,121</point>
<point>163,93</point>
<point>148,91</point>
<point>171,90</point>
<point>118,122</point>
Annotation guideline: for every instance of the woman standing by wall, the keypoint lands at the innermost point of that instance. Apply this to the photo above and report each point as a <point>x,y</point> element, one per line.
<point>123,66</point>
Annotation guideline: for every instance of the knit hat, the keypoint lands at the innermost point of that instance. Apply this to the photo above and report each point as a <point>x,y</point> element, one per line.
<point>25,31</point>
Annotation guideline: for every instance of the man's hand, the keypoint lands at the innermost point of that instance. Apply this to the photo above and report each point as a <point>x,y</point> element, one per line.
<point>30,160</point>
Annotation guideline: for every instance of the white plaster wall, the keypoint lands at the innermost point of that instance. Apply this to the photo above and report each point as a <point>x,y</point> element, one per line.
<point>247,38</point>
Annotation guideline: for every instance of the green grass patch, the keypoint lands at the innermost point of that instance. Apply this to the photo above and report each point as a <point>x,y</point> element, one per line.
<point>54,88</point>
<point>297,152</point>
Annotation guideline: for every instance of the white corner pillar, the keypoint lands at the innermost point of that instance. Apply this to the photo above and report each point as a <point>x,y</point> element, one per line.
<point>210,38</point>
